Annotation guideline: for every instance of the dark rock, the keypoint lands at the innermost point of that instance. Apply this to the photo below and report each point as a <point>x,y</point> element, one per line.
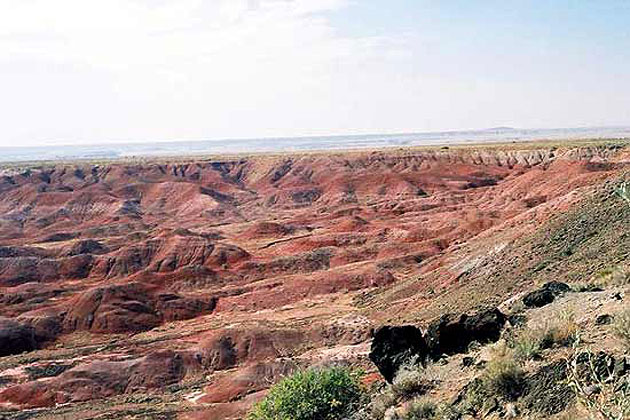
<point>452,334</point>
<point>592,367</point>
<point>546,294</point>
<point>393,346</point>
<point>547,391</point>
<point>557,288</point>
<point>517,320</point>
<point>489,406</point>
<point>622,366</point>
<point>47,370</point>
<point>538,298</point>
<point>617,296</point>
<point>468,361</point>
<point>306,196</point>
<point>15,338</point>
<point>60,237</point>
<point>604,319</point>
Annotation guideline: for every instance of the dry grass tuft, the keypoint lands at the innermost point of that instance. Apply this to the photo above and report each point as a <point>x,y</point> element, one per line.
<point>528,343</point>
<point>621,327</point>
<point>503,375</point>
<point>420,409</point>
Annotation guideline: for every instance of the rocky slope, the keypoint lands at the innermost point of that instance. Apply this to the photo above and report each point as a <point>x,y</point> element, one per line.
<point>183,290</point>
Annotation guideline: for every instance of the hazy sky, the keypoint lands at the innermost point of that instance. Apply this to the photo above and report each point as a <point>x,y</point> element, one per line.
<point>87,71</point>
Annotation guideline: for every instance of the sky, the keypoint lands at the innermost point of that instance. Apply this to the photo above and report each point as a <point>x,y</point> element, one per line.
<point>109,71</point>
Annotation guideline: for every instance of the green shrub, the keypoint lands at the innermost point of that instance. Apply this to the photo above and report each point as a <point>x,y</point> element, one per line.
<point>621,327</point>
<point>503,376</point>
<point>446,411</point>
<point>315,394</point>
<point>562,330</point>
<point>528,343</point>
<point>476,395</point>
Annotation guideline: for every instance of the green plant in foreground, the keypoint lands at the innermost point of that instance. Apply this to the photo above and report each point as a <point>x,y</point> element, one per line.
<point>314,394</point>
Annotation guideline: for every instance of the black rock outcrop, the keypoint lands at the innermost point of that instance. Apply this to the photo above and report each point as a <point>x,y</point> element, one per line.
<point>393,346</point>
<point>453,333</point>
<point>545,295</point>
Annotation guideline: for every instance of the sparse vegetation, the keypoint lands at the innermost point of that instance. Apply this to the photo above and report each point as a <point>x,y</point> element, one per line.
<point>381,403</point>
<point>316,394</point>
<point>413,379</point>
<point>408,381</point>
<point>621,327</point>
<point>587,287</point>
<point>623,191</point>
<point>425,409</point>
<point>615,276</point>
<point>503,375</point>
<point>420,409</point>
<point>603,394</point>
<point>528,343</point>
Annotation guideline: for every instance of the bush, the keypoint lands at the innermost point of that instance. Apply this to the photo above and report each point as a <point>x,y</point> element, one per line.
<point>562,331</point>
<point>503,376</point>
<point>529,342</point>
<point>315,394</point>
<point>448,412</point>
<point>420,409</point>
<point>409,381</point>
<point>621,327</point>
<point>381,403</point>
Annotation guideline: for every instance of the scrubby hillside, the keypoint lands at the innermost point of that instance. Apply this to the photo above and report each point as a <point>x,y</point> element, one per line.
<point>184,290</point>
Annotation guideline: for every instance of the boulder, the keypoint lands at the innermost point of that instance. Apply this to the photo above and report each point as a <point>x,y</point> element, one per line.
<point>604,319</point>
<point>557,288</point>
<point>538,298</point>
<point>545,295</point>
<point>453,333</point>
<point>15,338</point>
<point>393,346</point>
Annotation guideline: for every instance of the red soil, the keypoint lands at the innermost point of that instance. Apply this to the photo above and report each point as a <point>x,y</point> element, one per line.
<point>230,270</point>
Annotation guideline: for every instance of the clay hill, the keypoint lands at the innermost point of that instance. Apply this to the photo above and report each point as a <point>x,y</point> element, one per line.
<point>185,289</point>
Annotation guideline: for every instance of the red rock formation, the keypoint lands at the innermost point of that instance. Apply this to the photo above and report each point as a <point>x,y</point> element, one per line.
<point>233,272</point>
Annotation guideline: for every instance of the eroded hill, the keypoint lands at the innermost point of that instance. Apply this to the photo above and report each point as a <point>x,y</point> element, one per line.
<point>184,290</point>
